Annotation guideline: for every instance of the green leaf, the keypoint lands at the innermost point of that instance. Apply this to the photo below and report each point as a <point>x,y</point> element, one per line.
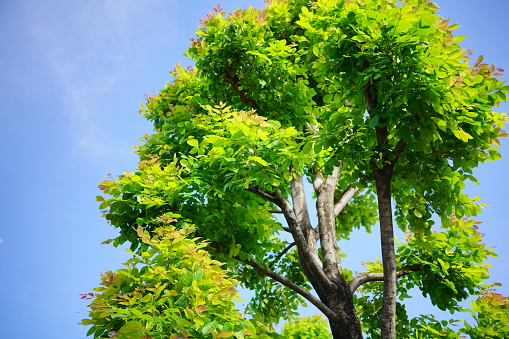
<point>440,124</point>
<point>505,89</point>
<point>459,38</point>
<point>359,38</point>
<point>146,298</point>
<point>373,121</point>
<point>258,160</point>
<point>501,96</point>
<point>192,142</point>
<point>91,330</point>
<point>87,322</point>
<point>208,328</point>
<point>308,147</point>
<point>461,134</point>
<point>132,328</point>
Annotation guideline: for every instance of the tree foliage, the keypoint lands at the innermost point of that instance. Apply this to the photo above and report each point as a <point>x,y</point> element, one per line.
<point>311,327</point>
<point>174,290</point>
<point>491,315</point>
<point>374,104</point>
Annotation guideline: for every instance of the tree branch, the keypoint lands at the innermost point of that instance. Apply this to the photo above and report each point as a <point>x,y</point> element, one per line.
<point>310,234</point>
<point>294,287</point>
<point>299,204</point>
<point>400,147</point>
<point>269,197</point>
<point>286,229</point>
<point>310,258</point>
<point>367,277</point>
<point>234,81</point>
<point>325,188</point>
<point>302,213</point>
<point>283,252</point>
<point>263,194</point>
<point>344,200</point>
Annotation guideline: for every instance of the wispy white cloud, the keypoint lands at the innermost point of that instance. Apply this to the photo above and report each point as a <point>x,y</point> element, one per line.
<point>86,44</point>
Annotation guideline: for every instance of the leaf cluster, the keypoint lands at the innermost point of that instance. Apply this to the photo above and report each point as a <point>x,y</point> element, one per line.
<point>491,316</point>
<point>311,327</point>
<point>173,289</point>
<point>453,263</point>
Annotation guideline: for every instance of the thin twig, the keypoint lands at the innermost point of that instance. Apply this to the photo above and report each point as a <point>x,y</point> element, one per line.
<point>283,252</point>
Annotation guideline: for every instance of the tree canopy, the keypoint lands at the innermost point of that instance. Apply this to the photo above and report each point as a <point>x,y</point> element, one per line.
<point>376,107</point>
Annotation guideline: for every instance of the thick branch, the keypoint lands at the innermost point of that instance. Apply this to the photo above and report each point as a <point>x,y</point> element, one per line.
<point>371,96</point>
<point>299,204</point>
<point>344,200</point>
<point>383,178</point>
<point>302,213</point>
<point>325,188</point>
<point>296,288</point>
<point>367,277</point>
<point>400,147</point>
<point>311,259</point>
<point>310,234</point>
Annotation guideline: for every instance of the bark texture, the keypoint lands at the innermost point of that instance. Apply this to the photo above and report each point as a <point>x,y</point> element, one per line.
<point>383,188</point>
<point>338,296</point>
<point>335,296</point>
<point>382,172</point>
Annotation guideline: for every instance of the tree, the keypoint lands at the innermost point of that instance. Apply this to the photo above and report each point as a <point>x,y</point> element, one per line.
<point>371,102</point>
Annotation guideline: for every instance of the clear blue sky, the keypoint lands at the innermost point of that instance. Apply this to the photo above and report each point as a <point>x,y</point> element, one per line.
<point>72,76</point>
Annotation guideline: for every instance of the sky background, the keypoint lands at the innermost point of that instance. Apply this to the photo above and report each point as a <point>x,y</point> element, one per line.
<point>72,76</point>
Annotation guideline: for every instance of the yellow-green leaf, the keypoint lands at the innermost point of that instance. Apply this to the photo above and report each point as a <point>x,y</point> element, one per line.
<point>192,142</point>
<point>225,334</point>
<point>258,160</point>
<point>462,135</point>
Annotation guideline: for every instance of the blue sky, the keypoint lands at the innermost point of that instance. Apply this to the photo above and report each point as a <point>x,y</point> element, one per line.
<point>73,74</point>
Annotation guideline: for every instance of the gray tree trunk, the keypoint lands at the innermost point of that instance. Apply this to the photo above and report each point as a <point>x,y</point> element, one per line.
<point>383,187</point>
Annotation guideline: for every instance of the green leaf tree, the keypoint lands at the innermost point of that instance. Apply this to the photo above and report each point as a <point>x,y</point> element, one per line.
<point>371,102</point>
